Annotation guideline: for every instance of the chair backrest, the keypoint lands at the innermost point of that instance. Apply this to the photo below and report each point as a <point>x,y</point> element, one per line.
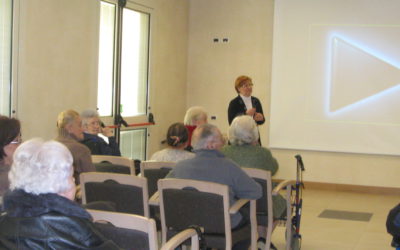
<point>154,171</point>
<point>263,177</point>
<point>189,202</point>
<point>114,164</point>
<point>128,192</point>
<point>128,231</point>
<point>264,204</point>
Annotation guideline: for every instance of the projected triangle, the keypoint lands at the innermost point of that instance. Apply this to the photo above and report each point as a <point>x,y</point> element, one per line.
<point>357,75</point>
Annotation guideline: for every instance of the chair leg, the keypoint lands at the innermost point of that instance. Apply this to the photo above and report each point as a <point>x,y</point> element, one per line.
<point>263,241</point>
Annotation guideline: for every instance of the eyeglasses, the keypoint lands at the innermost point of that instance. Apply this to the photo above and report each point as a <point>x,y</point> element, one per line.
<point>247,85</point>
<point>16,141</point>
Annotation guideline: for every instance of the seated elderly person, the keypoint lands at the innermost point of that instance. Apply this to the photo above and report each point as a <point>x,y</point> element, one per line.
<point>195,116</point>
<point>40,213</point>
<point>100,141</point>
<point>177,140</point>
<point>10,138</point>
<point>70,133</point>
<point>246,152</point>
<point>210,164</point>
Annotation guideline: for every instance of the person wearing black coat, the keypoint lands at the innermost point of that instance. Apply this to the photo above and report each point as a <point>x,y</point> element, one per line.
<point>98,139</point>
<point>244,103</point>
<point>39,209</point>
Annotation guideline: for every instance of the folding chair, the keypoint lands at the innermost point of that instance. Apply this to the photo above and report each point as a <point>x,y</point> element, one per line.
<point>128,192</point>
<point>205,204</point>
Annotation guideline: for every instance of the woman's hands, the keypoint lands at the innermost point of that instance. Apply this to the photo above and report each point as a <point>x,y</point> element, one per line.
<point>256,116</point>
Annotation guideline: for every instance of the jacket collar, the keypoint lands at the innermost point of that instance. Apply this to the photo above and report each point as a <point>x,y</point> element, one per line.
<point>208,153</point>
<point>18,203</point>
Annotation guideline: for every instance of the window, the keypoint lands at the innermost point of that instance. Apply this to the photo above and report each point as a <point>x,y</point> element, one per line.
<point>105,88</point>
<point>5,56</point>
<point>133,143</point>
<point>134,61</point>
<point>123,72</point>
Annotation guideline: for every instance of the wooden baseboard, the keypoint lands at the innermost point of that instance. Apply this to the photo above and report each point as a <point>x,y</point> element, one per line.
<point>350,188</point>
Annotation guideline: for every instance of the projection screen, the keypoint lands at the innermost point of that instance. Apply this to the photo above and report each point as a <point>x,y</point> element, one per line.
<point>336,76</point>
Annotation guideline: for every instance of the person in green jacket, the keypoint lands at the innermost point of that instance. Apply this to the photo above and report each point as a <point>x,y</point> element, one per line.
<point>245,150</point>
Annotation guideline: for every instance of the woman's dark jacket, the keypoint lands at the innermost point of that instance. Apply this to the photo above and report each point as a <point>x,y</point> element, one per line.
<point>98,146</point>
<point>47,221</point>
<point>237,108</point>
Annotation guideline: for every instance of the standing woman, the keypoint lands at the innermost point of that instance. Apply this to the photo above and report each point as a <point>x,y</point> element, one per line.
<point>244,103</point>
<point>10,138</point>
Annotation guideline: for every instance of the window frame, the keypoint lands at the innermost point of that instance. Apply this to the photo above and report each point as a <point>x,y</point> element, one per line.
<point>143,118</point>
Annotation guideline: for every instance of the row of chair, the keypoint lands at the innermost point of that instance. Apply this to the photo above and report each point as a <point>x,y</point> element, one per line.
<point>176,206</point>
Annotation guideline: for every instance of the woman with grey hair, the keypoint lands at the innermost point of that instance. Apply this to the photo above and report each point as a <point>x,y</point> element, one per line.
<point>99,140</point>
<point>244,149</point>
<point>195,116</point>
<point>39,209</point>
<point>246,152</point>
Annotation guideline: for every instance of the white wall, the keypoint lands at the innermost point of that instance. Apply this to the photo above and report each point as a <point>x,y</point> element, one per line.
<point>213,68</point>
<point>168,75</point>
<point>57,61</point>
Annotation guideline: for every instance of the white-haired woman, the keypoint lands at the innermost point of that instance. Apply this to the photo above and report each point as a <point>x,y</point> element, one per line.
<point>40,211</point>
<point>244,148</point>
<point>246,152</point>
<point>100,141</point>
<point>70,132</point>
<point>195,116</point>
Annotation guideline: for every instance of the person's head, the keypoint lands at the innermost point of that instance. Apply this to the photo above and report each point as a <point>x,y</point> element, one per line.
<point>244,85</point>
<point>91,122</point>
<point>177,135</point>
<point>243,130</point>
<point>207,136</point>
<point>41,167</point>
<point>10,138</point>
<point>69,124</point>
<point>195,116</point>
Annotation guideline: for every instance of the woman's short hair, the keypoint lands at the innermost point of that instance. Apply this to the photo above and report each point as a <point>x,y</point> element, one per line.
<point>177,135</point>
<point>243,130</point>
<point>88,114</point>
<point>10,128</point>
<point>41,167</point>
<point>65,118</point>
<point>240,81</point>
<point>194,114</point>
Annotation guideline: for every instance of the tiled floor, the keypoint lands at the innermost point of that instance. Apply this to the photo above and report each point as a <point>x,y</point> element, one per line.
<point>325,233</point>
